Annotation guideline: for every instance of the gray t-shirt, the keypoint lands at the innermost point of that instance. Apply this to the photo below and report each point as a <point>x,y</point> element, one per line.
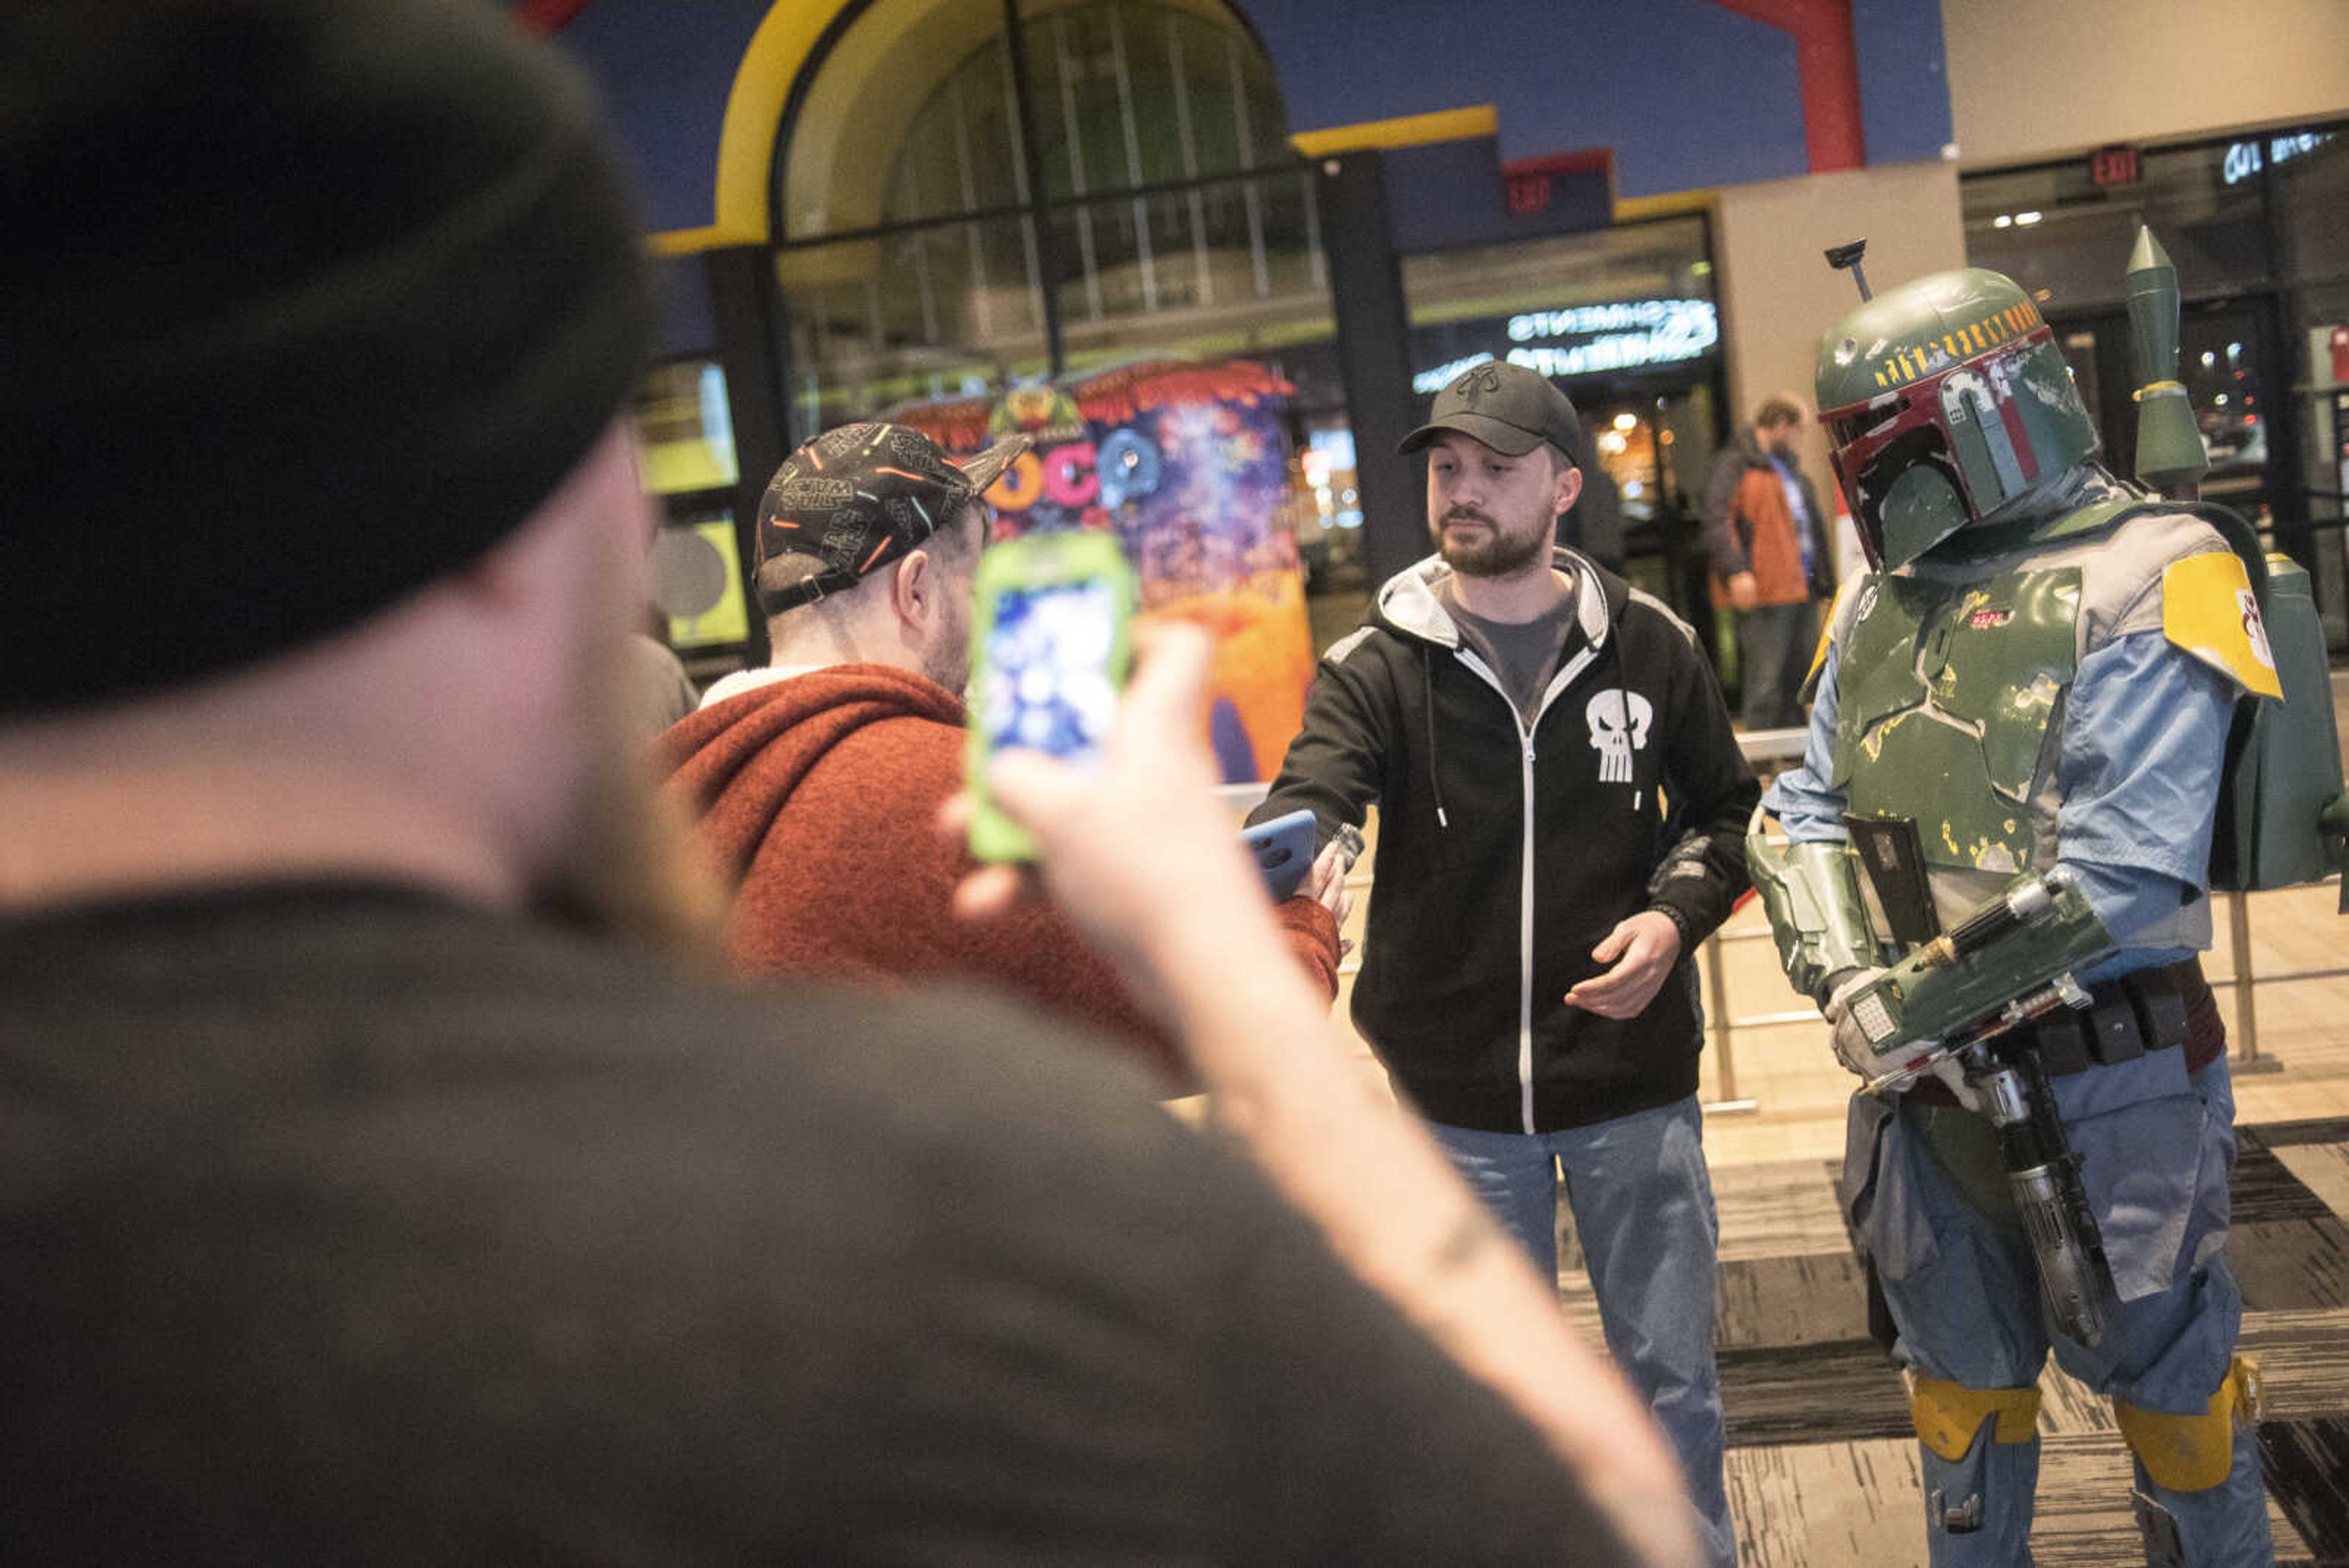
<point>1524,654</point>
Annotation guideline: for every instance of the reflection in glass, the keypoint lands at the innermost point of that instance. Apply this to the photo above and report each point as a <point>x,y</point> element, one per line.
<point>946,311</point>
<point>685,430</point>
<point>2074,251</point>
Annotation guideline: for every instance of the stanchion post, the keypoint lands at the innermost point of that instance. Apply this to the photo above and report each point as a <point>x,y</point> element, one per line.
<point>2247,1057</point>
<point>1717,972</point>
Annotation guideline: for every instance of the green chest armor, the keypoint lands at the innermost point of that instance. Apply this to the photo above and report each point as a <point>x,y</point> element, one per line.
<point>1945,692</point>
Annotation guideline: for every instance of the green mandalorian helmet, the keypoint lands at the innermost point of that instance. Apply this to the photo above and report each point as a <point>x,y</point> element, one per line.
<point>1946,400</point>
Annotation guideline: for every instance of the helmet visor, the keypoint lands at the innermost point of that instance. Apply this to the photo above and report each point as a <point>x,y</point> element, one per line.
<point>1906,489</point>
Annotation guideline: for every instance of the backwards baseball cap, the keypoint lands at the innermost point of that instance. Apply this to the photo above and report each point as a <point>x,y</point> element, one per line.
<point>305,306</point>
<point>1507,407</point>
<point>860,497</point>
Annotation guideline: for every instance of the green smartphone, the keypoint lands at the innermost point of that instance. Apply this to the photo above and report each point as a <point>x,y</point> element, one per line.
<point>1050,644</point>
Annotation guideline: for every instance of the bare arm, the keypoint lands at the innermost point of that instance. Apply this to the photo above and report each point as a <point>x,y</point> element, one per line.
<point>1140,855</point>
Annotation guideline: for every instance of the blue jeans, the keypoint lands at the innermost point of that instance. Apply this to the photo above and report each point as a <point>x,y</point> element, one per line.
<point>1642,1204</point>
<point>2156,1146</point>
<point>1774,644</point>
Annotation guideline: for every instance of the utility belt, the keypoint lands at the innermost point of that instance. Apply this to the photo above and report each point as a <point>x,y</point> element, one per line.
<point>2144,1010</point>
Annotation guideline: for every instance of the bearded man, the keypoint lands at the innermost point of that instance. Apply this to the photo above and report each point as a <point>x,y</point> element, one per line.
<point>1522,717</point>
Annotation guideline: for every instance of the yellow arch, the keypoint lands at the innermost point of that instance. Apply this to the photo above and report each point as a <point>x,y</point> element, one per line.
<point>782,46</point>
<point>786,40</point>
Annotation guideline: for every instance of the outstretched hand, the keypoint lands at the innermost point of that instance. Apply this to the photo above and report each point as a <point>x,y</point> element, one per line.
<point>1325,884</point>
<point>1642,948</point>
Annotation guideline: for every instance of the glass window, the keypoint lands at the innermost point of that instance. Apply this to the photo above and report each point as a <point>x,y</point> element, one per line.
<point>908,119</point>
<point>943,310</point>
<point>1130,94</point>
<point>1123,95</point>
<point>2311,170</point>
<point>2325,328</point>
<point>2321,416</point>
<point>2264,338</point>
<point>1574,305</point>
<point>685,430</point>
<point>2219,360</point>
<point>960,152</point>
<point>1222,269</point>
<point>2067,241</point>
<point>1616,316</point>
<point>1166,216</point>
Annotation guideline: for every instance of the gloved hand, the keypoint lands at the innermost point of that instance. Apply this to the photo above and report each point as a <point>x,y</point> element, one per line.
<point>1851,1044</point>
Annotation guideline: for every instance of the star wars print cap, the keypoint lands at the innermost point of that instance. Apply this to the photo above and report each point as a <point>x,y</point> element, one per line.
<point>860,497</point>
<point>1507,407</point>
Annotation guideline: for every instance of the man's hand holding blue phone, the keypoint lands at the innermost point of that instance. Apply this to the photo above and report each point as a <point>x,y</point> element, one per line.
<point>1283,849</point>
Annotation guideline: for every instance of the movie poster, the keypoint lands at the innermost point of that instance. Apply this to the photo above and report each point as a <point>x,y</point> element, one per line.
<point>1188,464</point>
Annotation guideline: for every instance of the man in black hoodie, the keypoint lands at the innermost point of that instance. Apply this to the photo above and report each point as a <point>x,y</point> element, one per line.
<point>1562,804</point>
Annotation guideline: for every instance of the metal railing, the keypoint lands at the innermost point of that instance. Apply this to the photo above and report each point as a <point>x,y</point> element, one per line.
<point>1784,746</point>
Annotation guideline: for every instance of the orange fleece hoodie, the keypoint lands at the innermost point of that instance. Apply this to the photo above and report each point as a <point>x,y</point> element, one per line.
<point>817,797</point>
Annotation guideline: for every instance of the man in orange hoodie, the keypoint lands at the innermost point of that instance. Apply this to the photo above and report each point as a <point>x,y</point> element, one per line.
<point>1771,564</point>
<point>817,780</point>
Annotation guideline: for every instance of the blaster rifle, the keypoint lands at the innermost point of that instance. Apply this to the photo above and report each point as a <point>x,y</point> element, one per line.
<point>1997,1062</point>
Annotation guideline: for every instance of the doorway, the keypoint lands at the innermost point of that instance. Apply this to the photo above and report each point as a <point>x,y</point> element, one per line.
<point>2227,359</point>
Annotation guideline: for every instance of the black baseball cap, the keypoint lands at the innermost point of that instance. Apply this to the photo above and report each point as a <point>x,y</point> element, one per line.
<point>860,497</point>
<point>1507,407</point>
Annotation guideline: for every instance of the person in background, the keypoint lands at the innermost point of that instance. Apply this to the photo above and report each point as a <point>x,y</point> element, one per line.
<point>815,780</point>
<point>1771,562</point>
<point>654,689</point>
<point>359,1212</point>
<point>1593,525</point>
<point>1520,716</point>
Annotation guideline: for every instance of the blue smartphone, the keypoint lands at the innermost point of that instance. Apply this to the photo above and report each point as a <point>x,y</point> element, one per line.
<point>1283,849</point>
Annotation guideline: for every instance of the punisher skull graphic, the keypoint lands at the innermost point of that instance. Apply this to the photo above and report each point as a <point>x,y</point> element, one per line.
<point>1615,733</point>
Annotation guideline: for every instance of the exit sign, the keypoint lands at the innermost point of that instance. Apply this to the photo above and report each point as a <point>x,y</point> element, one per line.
<point>2113,166</point>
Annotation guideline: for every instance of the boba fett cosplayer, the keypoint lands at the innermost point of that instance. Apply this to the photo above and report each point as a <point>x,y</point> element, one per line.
<point>2033,722</point>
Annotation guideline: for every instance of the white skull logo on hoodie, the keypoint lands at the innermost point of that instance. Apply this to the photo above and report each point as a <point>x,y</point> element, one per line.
<point>1615,733</point>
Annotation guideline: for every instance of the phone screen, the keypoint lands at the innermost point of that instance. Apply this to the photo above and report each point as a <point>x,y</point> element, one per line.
<point>1045,683</point>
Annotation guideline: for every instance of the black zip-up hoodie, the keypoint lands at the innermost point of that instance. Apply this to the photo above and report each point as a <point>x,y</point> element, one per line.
<point>1465,965</point>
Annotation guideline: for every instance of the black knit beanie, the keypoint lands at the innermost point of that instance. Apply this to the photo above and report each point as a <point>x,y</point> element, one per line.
<point>303,305</point>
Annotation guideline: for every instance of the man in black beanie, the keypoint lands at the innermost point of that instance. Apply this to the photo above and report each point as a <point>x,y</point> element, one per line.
<point>355,1211</point>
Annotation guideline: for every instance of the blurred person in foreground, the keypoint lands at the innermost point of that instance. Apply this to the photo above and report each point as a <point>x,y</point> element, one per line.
<point>359,1212</point>
<point>1770,563</point>
<point>814,782</point>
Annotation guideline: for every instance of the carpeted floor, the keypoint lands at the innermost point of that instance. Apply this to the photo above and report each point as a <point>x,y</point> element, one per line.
<point>1822,1464</point>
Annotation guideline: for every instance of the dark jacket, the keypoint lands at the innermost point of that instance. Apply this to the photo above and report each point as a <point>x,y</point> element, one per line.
<point>1505,857</point>
<point>1594,523</point>
<point>1749,527</point>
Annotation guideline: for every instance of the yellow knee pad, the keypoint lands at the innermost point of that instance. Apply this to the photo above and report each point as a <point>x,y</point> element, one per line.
<point>2193,1453</point>
<point>1947,1415</point>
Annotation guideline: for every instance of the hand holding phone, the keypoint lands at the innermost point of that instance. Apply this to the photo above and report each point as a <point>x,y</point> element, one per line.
<point>1283,849</point>
<point>1050,647</point>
